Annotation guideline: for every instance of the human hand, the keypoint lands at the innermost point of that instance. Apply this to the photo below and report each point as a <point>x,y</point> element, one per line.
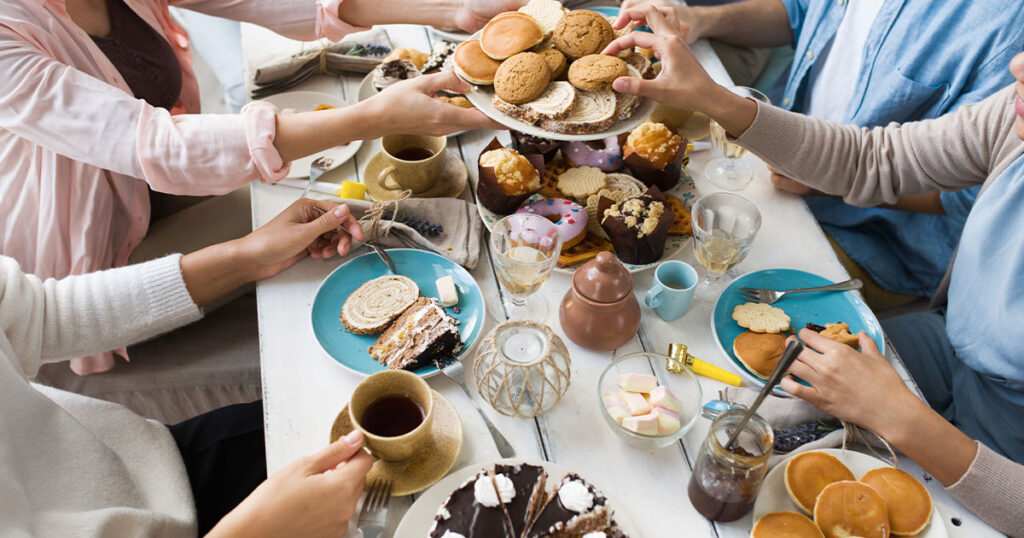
<point>689,23</point>
<point>410,107</point>
<point>307,227</point>
<point>313,496</point>
<point>787,184</point>
<point>474,14</point>
<point>859,387</point>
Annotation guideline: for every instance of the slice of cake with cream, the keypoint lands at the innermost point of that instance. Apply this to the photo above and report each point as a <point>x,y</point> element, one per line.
<point>422,334</point>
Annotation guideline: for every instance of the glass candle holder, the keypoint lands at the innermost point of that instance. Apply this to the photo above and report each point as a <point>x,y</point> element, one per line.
<point>522,369</point>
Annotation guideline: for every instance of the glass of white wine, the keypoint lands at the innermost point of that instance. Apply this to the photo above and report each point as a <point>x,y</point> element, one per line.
<point>526,248</point>
<point>728,171</point>
<point>724,226</point>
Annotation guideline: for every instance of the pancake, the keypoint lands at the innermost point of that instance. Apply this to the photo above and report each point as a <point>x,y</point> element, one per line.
<point>509,34</point>
<point>473,65</point>
<point>909,504</point>
<point>848,508</point>
<point>785,525</point>
<point>809,473</point>
<point>759,352</point>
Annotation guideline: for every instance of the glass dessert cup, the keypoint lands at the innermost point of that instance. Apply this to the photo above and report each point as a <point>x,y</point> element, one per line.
<point>724,226</point>
<point>684,386</point>
<point>728,172</point>
<point>526,248</point>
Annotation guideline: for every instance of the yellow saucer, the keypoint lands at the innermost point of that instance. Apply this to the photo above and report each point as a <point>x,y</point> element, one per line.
<point>435,460</point>
<point>450,184</point>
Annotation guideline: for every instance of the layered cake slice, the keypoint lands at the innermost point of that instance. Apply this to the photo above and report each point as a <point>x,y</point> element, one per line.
<point>577,508</point>
<point>593,112</point>
<point>475,510</point>
<point>424,332</point>
<point>530,495</point>
<point>555,103</point>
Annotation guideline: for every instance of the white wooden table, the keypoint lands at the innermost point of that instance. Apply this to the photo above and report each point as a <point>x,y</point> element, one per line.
<point>304,388</point>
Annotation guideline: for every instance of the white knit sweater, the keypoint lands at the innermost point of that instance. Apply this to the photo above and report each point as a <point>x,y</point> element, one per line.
<point>77,466</point>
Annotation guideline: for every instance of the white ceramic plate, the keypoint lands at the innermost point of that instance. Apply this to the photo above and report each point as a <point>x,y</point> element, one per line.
<point>685,190</point>
<point>774,498</point>
<point>366,91</point>
<point>305,101</point>
<point>417,521</point>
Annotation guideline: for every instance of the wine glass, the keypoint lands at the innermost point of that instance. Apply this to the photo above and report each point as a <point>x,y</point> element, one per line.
<point>723,227</point>
<point>728,172</point>
<point>526,247</point>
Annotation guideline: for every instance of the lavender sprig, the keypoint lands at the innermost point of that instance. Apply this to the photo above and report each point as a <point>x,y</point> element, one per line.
<point>423,226</point>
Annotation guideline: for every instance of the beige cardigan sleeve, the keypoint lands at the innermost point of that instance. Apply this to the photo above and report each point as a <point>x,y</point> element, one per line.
<point>993,488</point>
<point>872,166</point>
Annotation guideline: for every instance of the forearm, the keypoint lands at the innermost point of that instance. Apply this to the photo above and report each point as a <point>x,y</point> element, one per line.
<point>306,133</point>
<point>218,269</point>
<point>751,23</point>
<point>916,430</point>
<point>440,13</point>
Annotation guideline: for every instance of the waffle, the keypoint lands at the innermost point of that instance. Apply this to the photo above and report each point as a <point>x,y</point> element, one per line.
<point>549,183</point>
<point>681,220</point>
<point>583,251</point>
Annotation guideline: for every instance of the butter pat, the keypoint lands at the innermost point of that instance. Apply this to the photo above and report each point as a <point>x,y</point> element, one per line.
<point>446,292</point>
<point>662,397</point>
<point>637,382</point>
<point>643,424</point>
<point>636,403</point>
<point>668,422</point>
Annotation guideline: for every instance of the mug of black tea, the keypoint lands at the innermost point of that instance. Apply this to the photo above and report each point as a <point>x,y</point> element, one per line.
<point>414,162</point>
<point>394,410</point>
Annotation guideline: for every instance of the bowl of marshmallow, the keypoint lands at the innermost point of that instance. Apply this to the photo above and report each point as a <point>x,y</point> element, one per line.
<point>645,403</point>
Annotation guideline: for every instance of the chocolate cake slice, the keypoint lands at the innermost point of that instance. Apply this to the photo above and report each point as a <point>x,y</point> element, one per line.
<point>472,511</point>
<point>529,482</point>
<point>424,332</point>
<point>574,510</point>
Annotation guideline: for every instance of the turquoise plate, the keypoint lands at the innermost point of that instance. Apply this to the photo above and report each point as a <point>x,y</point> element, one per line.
<point>802,308</point>
<point>613,11</point>
<point>422,267</point>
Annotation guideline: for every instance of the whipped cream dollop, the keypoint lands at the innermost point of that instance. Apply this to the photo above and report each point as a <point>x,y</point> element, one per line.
<point>575,496</point>
<point>485,493</point>
<point>450,534</point>
<point>444,513</point>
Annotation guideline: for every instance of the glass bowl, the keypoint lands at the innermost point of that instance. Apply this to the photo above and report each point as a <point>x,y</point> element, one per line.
<point>683,385</point>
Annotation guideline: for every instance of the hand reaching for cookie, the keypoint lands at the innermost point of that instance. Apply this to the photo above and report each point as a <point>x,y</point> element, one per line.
<point>685,18</point>
<point>421,111</point>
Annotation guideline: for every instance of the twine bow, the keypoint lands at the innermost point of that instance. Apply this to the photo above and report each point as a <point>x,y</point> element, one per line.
<point>370,220</point>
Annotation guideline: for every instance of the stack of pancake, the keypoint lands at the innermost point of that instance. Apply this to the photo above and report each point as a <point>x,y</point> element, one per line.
<point>885,501</point>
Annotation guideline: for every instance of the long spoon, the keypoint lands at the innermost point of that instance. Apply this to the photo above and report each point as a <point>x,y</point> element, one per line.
<point>793,348</point>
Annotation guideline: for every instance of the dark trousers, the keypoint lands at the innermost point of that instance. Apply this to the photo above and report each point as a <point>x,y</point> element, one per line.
<point>225,457</point>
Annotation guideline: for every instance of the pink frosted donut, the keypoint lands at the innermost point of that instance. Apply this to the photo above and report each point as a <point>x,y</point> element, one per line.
<point>605,154</point>
<point>537,232</point>
<point>569,217</point>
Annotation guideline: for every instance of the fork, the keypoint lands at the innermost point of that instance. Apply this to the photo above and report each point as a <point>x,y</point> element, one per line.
<point>455,371</point>
<point>317,169</point>
<point>760,295</point>
<point>377,498</point>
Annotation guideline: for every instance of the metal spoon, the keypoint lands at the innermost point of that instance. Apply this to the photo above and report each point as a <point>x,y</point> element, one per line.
<point>793,348</point>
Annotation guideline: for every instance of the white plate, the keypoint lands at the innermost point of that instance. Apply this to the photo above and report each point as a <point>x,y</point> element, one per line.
<point>457,36</point>
<point>417,521</point>
<point>685,190</point>
<point>774,498</point>
<point>305,101</point>
<point>366,91</point>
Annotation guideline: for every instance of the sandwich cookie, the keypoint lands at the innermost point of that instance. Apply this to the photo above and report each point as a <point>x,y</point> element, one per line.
<point>547,13</point>
<point>759,352</point>
<point>785,525</point>
<point>522,78</point>
<point>908,502</point>
<point>473,65</point>
<point>509,34</point>
<point>850,508</point>
<point>809,473</point>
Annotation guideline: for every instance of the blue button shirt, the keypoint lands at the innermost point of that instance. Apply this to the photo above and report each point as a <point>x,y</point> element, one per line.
<point>921,60</point>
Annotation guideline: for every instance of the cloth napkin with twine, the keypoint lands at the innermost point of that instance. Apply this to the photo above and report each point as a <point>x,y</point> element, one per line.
<point>459,223</point>
<point>784,413</point>
<point>357,54</point>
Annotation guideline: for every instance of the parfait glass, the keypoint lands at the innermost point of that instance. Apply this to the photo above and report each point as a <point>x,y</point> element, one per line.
<point>526,248</point>
<point>723,226</point>
<point>728,171</point>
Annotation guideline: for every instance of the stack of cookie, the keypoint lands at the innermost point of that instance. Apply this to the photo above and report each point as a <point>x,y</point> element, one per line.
<point>525,54</point>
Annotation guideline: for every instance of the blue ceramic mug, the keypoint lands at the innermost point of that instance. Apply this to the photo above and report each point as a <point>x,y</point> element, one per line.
<point>672,292</point>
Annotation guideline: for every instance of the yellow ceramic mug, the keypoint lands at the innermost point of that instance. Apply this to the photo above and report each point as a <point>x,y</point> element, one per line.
<point>414,162</point>
<point>381,404</point>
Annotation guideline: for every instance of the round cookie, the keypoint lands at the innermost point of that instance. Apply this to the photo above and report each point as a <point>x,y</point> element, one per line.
<point>582,32</point>
<point>556,61</point>
<point>596,72</point>
<point>522,78</point>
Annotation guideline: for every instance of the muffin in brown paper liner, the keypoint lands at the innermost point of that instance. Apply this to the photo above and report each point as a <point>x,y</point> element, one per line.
<point>490,194</point>
<point>664,178</point>
<point>628,247</point>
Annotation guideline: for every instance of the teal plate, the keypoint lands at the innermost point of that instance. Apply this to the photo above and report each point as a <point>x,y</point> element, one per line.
<point>613,11</point>
<point>422,267</point>
<point>818,308</point>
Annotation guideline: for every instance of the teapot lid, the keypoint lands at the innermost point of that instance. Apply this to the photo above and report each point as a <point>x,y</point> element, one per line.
<point>603,279</point>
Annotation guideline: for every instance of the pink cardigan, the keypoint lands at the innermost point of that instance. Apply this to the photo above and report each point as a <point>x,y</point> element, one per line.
<point>77,149</point>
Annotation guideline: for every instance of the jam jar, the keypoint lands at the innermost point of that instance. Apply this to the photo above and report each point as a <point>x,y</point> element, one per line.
<point>725,482</point>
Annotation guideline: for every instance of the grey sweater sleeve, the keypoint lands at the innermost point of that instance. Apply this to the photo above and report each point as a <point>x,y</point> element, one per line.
<point>872,166</point>
<point>993,488</point>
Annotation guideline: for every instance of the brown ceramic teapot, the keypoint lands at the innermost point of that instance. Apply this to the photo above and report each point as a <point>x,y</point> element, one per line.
<point>600,312</point>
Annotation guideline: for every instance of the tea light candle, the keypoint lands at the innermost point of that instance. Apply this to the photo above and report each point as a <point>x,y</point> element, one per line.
<point>522,369</point>
<point>350,190</point>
